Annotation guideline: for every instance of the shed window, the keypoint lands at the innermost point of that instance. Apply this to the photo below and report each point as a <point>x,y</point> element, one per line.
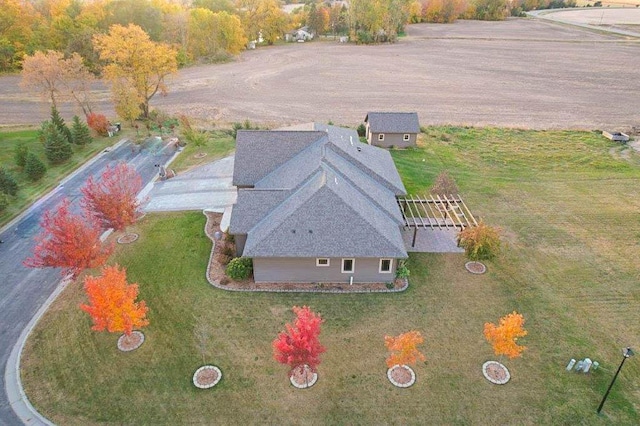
<point>385,266</point>
<point>406,137</point>
<point>322,261</point>
<point>348,266</point>
<point>381,136</point>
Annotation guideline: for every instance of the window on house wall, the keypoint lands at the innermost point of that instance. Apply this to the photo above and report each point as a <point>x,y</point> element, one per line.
<point>381,137</point>
<point>322,261</point>
<point>385,266</point>
<point>406,137</point>
<point>348,265</point>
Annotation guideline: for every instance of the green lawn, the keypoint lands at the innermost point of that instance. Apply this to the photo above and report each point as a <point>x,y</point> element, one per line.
<point>220,145</point>
<point>568,205</point>
<point>30,191</point>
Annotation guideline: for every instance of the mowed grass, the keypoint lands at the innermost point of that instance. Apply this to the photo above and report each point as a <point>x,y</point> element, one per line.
<point>568,205</point>
<point>220,144</point>
<point>31,191</point>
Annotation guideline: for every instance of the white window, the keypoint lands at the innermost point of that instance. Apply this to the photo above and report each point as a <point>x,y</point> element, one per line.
<point>381,136</point>
<point>348,266</point>
<point>406,137</point>
<point>385,266</point>
<point>322,261</point>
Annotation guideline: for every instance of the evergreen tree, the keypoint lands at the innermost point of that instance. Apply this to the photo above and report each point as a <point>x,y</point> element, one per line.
<point>34,168</point>
<point>8,184</point>
<point>43,131</point>
<point>56,148</point>
<point>62,127</point>
<point>80,132</point>
<point>4,201</point>
<point>20,155</point>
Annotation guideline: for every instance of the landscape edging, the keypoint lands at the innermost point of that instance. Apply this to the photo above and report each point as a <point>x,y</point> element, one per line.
<point>275,290</point>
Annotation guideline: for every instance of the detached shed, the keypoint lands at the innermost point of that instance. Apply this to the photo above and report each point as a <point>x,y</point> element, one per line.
<point>392,129</point>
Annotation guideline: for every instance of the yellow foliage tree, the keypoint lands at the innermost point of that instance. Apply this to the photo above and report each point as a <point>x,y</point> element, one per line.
<point>504,336</point>
<point>480,242</point>
<point>403,348</point>
<point>136,61</point>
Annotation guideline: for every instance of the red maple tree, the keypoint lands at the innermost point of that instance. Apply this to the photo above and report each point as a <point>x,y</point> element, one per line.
<point>299,345</point>
<point>68,241</point>
<point>112,304</point>
<point>113,198</point>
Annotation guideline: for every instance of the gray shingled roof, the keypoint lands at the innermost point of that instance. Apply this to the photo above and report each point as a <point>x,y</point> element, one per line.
<point>344,196</point>
<point>393,122</point>
<point>327,217</point>
<point>259,152</point>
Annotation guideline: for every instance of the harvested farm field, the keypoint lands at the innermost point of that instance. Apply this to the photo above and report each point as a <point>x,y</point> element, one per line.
<point>523,73</point>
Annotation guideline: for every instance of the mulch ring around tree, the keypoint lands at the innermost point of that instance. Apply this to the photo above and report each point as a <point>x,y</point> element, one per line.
<point>303,377</point>
<point>200,155</point>
<point>401,376</point>
<point>128,238</point>
<point>475,267</point>
<point>207,376</point>
<point>495,372</point>
<point>130,342</point>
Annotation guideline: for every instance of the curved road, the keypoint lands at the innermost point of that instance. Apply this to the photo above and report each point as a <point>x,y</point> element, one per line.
<point>24,290</point>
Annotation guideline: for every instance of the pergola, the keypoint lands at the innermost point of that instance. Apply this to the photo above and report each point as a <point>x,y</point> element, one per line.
<point>435,212</point>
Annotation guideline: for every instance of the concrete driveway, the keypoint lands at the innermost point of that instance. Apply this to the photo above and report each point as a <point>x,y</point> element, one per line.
<point>206,187</point>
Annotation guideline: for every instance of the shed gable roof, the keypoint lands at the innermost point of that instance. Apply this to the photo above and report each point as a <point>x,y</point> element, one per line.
<point>393,122</point>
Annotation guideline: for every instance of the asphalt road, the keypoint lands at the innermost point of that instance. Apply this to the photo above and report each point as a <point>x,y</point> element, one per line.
<point>24,290</point>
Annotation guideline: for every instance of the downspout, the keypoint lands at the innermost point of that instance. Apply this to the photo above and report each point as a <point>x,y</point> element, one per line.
<point>351,280</point>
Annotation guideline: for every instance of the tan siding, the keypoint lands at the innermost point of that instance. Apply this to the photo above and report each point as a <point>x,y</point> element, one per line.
<point>394,139</point>
<point>305,270</point>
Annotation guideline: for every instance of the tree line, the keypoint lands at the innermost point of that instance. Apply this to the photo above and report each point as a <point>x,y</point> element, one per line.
<point>214,30</point>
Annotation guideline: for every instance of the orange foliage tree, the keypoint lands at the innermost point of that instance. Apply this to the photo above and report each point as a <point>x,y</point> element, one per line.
<point>299,345</point>
<point>113,198</point>
<point>112,302</point>
<point>504,336</point>
<point>403,348</point>
<point>68,241</point>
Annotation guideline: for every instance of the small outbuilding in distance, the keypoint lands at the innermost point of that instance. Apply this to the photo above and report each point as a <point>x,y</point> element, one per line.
<point>392,129</point>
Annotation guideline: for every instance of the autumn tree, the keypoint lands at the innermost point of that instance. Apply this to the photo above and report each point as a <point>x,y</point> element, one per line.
<point>42,73</point>
<point>18,19</point>
<point>112,302</point>
<point>210,33</point>
<point>56,78</point>
<point>263,17</point>
<point>481,242</point>
<point>503,337</point>
<point>299,345</point>
<point>112,199</point>
<point>68,241</point>
<point>136,61</point>
<point>403,348</point>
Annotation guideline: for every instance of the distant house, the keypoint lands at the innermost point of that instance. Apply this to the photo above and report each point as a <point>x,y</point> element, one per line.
<point>301,34</point>
<point>387,129</point>
<point>316,205</point>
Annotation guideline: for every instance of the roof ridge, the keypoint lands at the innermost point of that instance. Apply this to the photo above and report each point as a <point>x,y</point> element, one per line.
<point>358,212</point>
